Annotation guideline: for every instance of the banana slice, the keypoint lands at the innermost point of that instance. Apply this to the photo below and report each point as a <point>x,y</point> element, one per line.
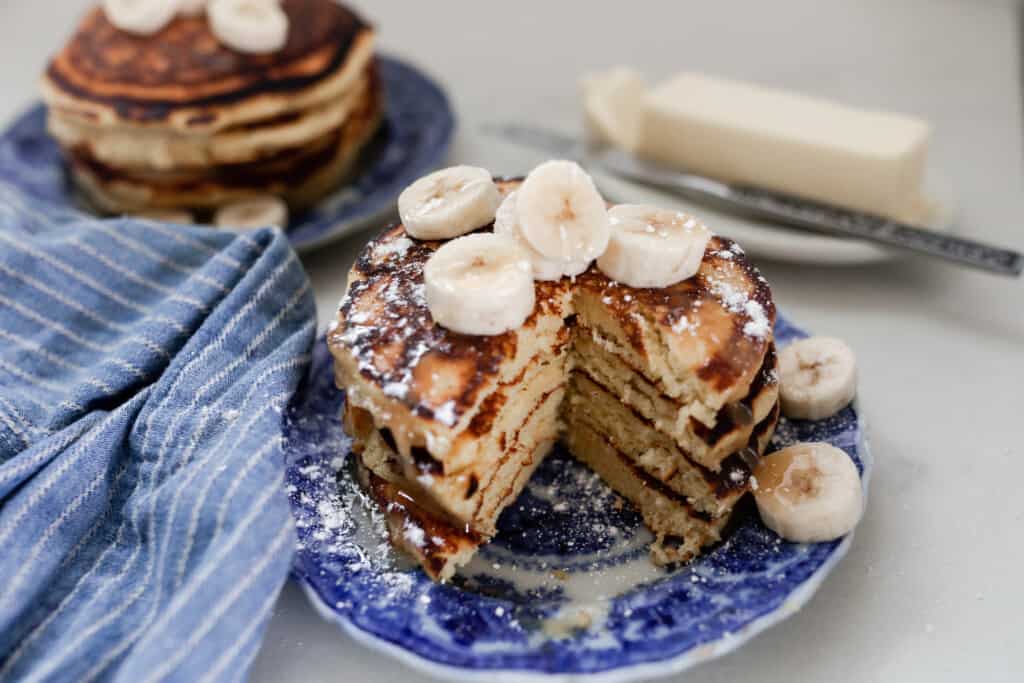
<point>257,212</point>
<point>611,105</point>
<point>809,492</point>
<point>479,284</point>
<point>142,17</point>
<point>252,26</point>
<point>652,247</point>
<point>179,217</point>
<point>192,8</point>
<point>506,222</point>
<point>449,203</point>
<point>561,213</point>
<point>817,378</point>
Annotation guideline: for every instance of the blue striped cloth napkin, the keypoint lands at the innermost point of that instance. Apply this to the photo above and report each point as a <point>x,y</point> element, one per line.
<point>144,375</point>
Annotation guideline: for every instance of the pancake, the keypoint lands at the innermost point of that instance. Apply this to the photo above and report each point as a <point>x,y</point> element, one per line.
<point>669,394</point>
<point>183,79</point>
<point>301,175</point>
<point>177,120</point>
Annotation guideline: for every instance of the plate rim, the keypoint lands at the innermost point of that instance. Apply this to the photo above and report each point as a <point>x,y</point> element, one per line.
<point>641,671</point>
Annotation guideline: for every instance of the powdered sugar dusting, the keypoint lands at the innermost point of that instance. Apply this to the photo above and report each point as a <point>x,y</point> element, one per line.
<point>334,516</point>
<point>738,301</point>
<point>446,414</point>
<point>395,248</point>
<point>397,390</point>
<point>733,299</point>
<point>759,325</point>
<point>413,533</point>
<point>682,325</point>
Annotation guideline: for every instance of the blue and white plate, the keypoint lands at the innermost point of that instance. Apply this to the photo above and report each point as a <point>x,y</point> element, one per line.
<point>566,588</point>
<point>413,140</point>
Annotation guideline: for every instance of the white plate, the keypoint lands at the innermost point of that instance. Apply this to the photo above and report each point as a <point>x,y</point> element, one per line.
<point>772,241</point>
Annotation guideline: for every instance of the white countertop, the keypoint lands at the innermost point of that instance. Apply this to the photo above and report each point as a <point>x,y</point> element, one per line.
<point>933,588</point>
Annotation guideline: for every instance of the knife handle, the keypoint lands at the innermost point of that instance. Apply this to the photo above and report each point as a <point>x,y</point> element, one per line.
<point>878,229</point>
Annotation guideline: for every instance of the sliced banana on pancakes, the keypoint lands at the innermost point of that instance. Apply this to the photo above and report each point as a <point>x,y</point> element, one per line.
<point>479,284</point>
<point>817,378</point>
<point>251,26</point>
<point>809,492</point>
<point>192,8</point>
<point>257,212</point>
<point>652,247</point>
<point>449,203</point>
<point>506,222</point>
<point>561,214</point>
<point>142,17</point>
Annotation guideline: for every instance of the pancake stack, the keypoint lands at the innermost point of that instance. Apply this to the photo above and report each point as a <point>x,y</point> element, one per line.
<point>670,394</point>
<point>177,120</point>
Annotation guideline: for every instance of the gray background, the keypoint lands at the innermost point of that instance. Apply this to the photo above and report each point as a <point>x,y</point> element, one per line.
<point>933,588</point>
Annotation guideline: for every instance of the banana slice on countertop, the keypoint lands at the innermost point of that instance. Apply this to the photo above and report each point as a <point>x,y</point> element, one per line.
<point>561,213</point>
<point>506,222</point>
<point>652,247</point>
<point>817,378</point>
<point>251,26</point>
<point>479,284</point>
<point>142,17</point>
<point>256,212</point>
<point>809,492</point>
<point>449,203</point>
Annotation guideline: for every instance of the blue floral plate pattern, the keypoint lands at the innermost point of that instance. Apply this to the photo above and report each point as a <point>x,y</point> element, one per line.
<point>566,588</point>
<point>413,140</point>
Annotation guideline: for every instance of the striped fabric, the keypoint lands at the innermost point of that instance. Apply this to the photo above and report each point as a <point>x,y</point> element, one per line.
<point>144,369</point>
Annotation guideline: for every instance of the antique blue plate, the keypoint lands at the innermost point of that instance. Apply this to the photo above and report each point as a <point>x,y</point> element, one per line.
<point>414,139</point>
<point>565,588</point>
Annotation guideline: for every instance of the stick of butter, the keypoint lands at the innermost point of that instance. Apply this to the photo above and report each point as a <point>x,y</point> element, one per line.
<point>746,134</point>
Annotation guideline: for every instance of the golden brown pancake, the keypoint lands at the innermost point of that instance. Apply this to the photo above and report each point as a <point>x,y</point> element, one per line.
<point>183,78</point>
<point>143,149</point>
<point>177,120</point>
<point>670,394</point>
<point>301,175</point>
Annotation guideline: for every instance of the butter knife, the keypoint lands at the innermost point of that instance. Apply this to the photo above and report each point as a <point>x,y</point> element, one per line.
<point>768,204</point>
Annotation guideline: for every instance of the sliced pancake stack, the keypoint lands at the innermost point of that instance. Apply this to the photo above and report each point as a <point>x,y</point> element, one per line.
<point>178,120</point>
<point>670,401</point>
<point>669,394</point>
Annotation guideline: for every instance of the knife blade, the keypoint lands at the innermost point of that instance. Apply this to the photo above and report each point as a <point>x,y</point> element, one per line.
<point>768,204</point>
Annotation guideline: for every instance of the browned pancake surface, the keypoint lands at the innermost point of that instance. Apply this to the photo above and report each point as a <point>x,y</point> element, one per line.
<point>386,323</point>
<point>145,78</point>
